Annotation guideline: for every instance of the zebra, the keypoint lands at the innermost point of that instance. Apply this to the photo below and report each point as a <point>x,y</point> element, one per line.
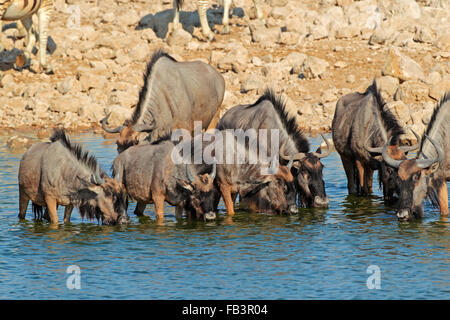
<point>202,6</point>
<point>23,10</point>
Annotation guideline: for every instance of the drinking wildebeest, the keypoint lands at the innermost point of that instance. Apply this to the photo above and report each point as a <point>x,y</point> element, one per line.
<point>62,173</point>
<point>269,112</point>
<point>360,125</point>
<point>174,95</point>
<point>150,176</point>
<point>427,174</point>
<point>265,192</point>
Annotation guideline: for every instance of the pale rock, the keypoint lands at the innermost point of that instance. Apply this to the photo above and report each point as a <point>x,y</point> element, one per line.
<point>118,115</point>
<point>17,143</point>
<point>65,85</point>
<point>140,52</point>
<point>438,90</point>
<point>424,34</point>
<point>314,67</point>
<point>252,83</point>
<point>411,91</point>
<point>388,86</point>
<point>178,37</point>
<point>433,78</point>
<point>401,66</point>
<point>89,81</point>
<point>122,98</point>
<point>400,110</point>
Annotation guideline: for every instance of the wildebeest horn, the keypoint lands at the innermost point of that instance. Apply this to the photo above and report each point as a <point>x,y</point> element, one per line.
<point>416,146</point>
<point>96,179</point>
<point>387,158</point>
<point>189,174</point>
<point>214,170</point>
<point>289,165</point>
<point>326,154</point>
<point>104,123</point>
<point>372,149</point>
<point>298,156</point>
<point>425,163</point>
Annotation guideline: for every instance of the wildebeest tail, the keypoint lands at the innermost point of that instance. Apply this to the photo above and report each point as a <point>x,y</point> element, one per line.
<point>37,211</point>
<point>179,3</point>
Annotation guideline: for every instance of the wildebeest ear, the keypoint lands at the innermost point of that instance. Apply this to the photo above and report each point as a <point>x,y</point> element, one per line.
<point>250,189</point>
<point>184,184</point>
<point>432,168</point>
<point>87,194</point>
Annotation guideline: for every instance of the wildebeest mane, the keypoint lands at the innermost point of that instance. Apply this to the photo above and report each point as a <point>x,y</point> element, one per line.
<point>289,122</point>
<point>75,149</point>
<point>388,119</point>
<point>166,137</point>
<point>433,121</point>
<point>142,94</point>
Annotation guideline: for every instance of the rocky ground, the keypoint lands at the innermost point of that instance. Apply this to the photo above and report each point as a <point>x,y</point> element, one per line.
<point>311,51</point>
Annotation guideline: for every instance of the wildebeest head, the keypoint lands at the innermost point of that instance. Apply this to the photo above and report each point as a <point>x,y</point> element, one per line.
<point>307,170</point>
<point>129,134</point>
<point>413,180</point>
<point>199,191</point>
<point>105,199</point>
<point>276,193</point>
<point>388,175</point>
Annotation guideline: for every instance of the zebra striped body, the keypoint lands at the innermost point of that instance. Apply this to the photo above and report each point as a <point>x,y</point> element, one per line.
<point>202,7</point>
<point>12,10</point>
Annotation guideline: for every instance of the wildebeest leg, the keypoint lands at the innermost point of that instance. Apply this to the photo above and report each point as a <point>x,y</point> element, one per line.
<point>360,168</point>
<point>179,212</point>
<point>158,200</point>
<point>67,213</point>
<point>23,204</point>
<point>52,209</point>
<point>225,189</point>
<point>369,179</point>
<point>443,199</point>
<point>140,208</point>
<point>350,173</point>
<point>234,196</point>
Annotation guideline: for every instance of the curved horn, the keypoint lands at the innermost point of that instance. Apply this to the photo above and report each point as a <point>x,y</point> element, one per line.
<point>422,163</point>
<point>326,154</point>
<point>416,146</point>
<point>189,174</point>
<point>298,156</point>
<point>387,158</point>
<point>289,165</point>
<point>372,149</point>
<point>104,122</point>
<point>214,170</point>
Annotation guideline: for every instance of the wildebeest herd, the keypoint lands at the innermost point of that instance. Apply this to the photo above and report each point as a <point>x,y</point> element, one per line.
<point>177,94</point>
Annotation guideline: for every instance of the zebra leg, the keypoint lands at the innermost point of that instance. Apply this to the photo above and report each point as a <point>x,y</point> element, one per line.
<point>202,7</point>
<point>44,16</point>
<point>21,30</point>
<point>226,15</point>
<point>259,13</point>
<point>27,24</point>
<point>176,16</point>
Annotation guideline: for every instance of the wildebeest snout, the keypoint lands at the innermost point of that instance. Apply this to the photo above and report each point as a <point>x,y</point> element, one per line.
<point>321,202</point>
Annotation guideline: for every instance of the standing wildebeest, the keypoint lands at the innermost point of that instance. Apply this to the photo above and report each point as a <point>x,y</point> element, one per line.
<point>150,176</point>
<point>428,173</point>
<point>271,192</point>
<point>361,122</point>
<point>62,173</point>
<point>174,95</point>
<point>269,112</point>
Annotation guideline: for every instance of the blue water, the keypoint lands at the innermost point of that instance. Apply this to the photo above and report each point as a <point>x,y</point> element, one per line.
<point>317,254</point>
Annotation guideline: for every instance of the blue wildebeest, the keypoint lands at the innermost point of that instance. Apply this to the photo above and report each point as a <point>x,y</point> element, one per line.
<point>62,173</point>
<point>361,126</point>
<point>240,171</point>
<point>269,112</point>
<point>174,95</point>
<point>427,174</point>
<point>150,176</point>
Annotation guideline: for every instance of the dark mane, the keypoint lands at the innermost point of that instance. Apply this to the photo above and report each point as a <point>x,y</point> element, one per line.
<point>436,110</point>
<point>289,122</point>
<point>77,150</point>
<point>138,109</point>
<point>387,117</point>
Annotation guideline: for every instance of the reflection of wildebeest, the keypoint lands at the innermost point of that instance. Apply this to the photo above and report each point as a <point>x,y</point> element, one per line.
<point>361,125</point>
<point>150,176</point>
<point>427,174</point>
<point>271,191</point>
<point>174,95</point>
<point>62,173</point>
<point>269,112</point>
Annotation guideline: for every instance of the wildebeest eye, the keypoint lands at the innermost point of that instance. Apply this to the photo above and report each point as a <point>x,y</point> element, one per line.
<point>416,176</point>
<point>285,188</point>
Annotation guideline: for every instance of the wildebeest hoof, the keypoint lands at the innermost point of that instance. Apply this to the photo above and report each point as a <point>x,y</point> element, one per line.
<point>210,37</point>
<point>47,69</point>
<point>210,216</point>
<point>403,215</point>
